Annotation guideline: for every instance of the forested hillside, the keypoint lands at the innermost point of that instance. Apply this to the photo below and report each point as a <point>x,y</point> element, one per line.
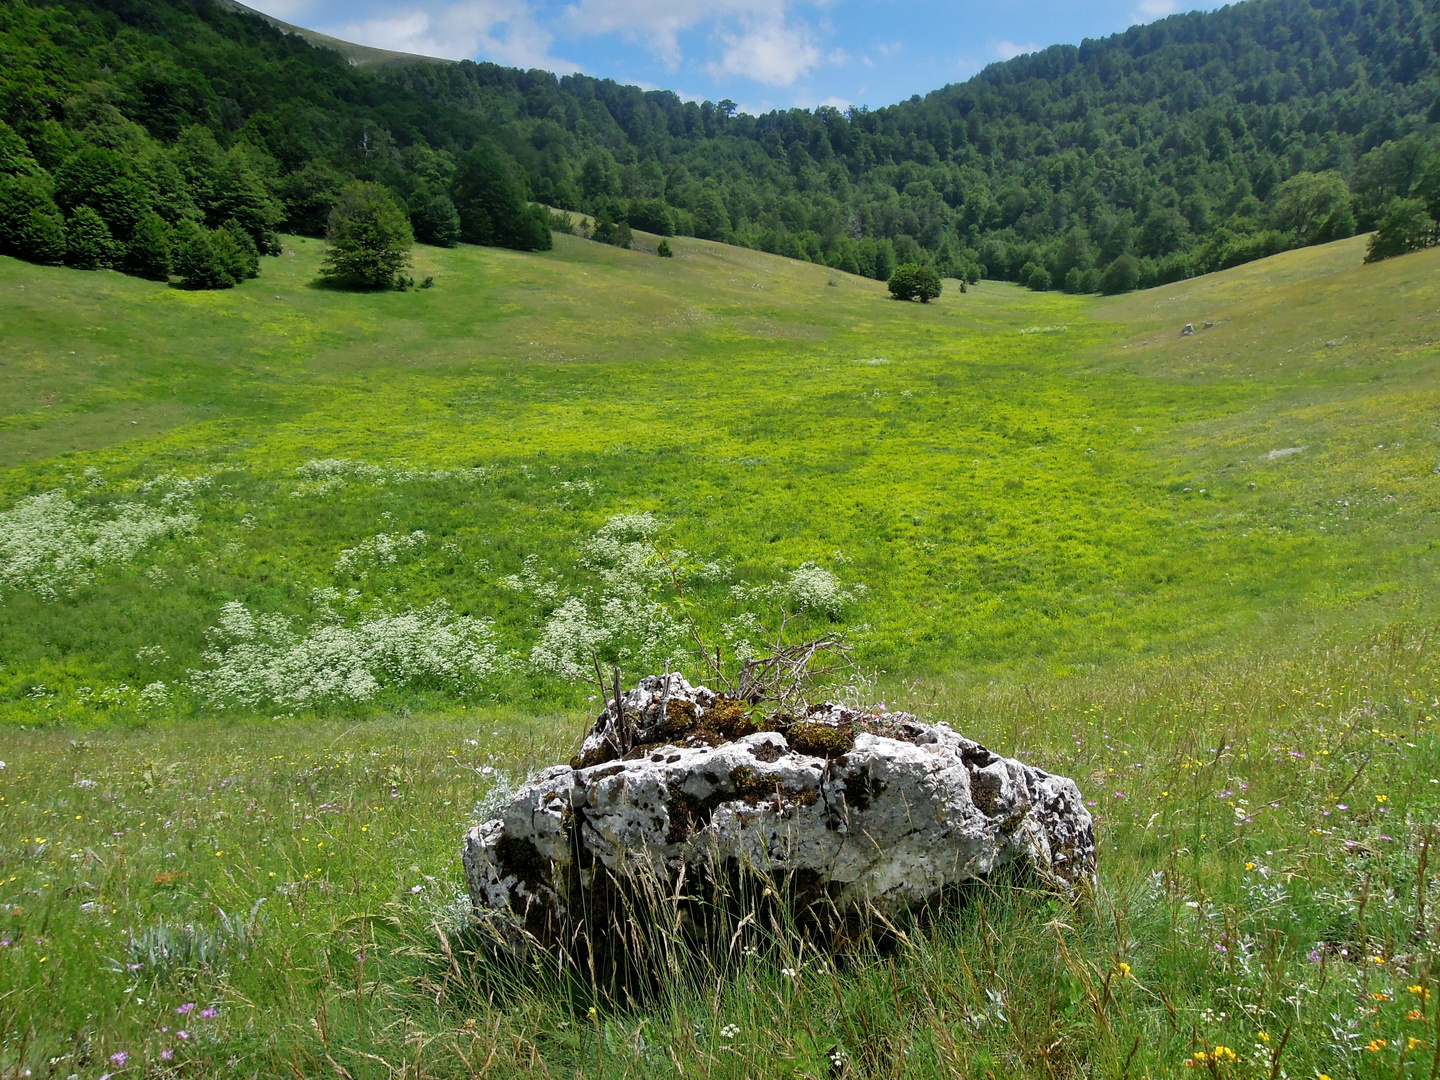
<point>1197,142</point>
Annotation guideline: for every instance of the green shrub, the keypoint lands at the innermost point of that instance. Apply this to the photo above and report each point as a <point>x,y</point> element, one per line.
<point>88,243</point>
<point>1039,280</point>
<point>664,250</point>
<point>1405,226</point>
<point>236,251</point>
<point>912,281</point>
<point>151,250</point>
<point>433,218</point>
<point>15,156</point>
<point>197,263</point>
<point>369,237</point>
<point>651,215</point>
<point>31,226</point>
<point>1120,276</point>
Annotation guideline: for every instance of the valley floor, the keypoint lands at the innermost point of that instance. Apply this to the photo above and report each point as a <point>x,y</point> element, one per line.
<point>1193,570</point>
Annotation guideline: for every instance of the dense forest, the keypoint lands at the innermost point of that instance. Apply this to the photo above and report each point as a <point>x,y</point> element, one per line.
<point>178,136</point>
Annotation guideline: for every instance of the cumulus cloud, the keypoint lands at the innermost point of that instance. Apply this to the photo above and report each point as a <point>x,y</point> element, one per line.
<point>770,52</point>
<point>1008,50</point>
<point>1155,9</point>
<point>757,38</point>
<point>501,30</point>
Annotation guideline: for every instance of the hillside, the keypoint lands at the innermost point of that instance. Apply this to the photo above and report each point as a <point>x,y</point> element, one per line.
<point>286,572</point>
<point>1195,143</point>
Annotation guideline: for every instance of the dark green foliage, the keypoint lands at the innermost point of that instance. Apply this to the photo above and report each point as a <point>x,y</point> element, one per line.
<point>1039,280</point>
<point>237,251</point>
<point>31,226</point>
<point>433,218</point>
<point>150,251</point>
<point>308,196</point>
<point>15,156</point>
<point>88,242</point>
<point>1405,226</point>
<point>369,238</point>
<point>652,216</point>
<point>1178,143</point>
<point>1120,276</point>
<point>490,206</point>
<point>913,281</point>
<point>663,250</point>
<point>1313,207</point>
<point>200,262</point>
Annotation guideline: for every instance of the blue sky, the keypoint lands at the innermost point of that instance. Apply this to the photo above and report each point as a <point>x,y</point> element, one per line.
<point>762,54</point>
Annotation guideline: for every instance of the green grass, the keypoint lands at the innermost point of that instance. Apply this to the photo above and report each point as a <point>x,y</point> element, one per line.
<point>1077,546</point>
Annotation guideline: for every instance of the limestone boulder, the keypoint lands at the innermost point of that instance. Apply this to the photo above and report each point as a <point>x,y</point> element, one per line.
<point>852,809</point>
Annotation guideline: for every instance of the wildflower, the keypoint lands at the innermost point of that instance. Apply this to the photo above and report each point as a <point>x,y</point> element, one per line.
<point>1264,1036</point>
<point>1382,798</point>
<point>1415,1014</point>
<point>593,1013</point>
<point>1413,1043</point>
<point>1381,997</point>
<point>167,1054</point>
<point>1313,956</point>
<point>182,1034</point>
<point>1123,968</point>
<point>209,1014</point>
<point>1376,1045</point>
<point>789,973</point>
<point>1377,959</point>
<point>729,1031</point>
<point>1419,991</point>
<point>1249,866</point>
<point>186,1009</point>
<point>119,1058</point>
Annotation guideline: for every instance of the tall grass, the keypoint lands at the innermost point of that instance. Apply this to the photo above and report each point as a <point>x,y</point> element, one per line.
<point>1266,890</point>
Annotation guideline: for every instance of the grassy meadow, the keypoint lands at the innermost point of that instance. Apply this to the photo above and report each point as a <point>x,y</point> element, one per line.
<point>1192,571</point>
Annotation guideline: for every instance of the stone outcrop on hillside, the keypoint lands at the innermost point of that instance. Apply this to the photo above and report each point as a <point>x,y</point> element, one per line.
<point>849,809</point>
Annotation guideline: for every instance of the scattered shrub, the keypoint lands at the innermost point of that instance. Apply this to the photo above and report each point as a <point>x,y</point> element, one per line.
<point>912,281</point>
<point>1039,280</point>
<point>1120,276</point>
<point>150,252</point>
<point>1405,226</point>
<point>369,238</point>
<point>663,250</point>
<point>198,262</point>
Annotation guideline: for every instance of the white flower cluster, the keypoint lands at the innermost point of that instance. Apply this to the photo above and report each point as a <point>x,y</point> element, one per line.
<point>321,476</point>
<point>50,546</point>
<point>621,618</point>
<point>262,658</point>
<point>382,549</point>
<point>808,588</point>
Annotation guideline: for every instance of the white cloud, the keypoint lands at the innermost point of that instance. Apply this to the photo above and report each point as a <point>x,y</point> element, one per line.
<point>867,61</point>
<point>890,48</point>
<point>501,30</point>
<point>770,52</point>
<point>1008,50</point>
<point>1155,9</point>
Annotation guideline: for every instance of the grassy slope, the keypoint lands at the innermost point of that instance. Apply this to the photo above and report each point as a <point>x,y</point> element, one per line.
<point>1010,498</point>
<point>1060,535</point>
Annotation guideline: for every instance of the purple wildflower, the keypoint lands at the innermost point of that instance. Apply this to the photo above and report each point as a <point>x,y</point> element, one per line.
<point>119,1058</point>
<point>1313,956</point>
<point>209,1014</point>
<point>185,1009</point>
<point>167,1054</point>
<point>182,1033</point>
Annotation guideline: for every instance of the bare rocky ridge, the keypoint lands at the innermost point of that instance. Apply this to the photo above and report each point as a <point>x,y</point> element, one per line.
<point>851,809</point>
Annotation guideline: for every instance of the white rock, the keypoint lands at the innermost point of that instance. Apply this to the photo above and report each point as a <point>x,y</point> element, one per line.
<point>905,811</point>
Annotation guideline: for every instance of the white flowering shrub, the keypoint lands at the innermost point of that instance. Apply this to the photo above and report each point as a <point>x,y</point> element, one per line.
<point>52,547</point>
<point>382,549</point>
<point>261,658</point>
<point>621,620</point>
<point>815,590</point>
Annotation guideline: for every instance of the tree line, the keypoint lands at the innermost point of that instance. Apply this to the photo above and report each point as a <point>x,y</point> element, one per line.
<point>176,137</point>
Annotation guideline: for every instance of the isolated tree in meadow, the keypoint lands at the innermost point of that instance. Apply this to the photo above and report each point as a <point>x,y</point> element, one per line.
<point>1405,226</point>
<point>913,281</point>
<point>663,250</point>
<point>369,238</point>
<point>1039,280</point>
